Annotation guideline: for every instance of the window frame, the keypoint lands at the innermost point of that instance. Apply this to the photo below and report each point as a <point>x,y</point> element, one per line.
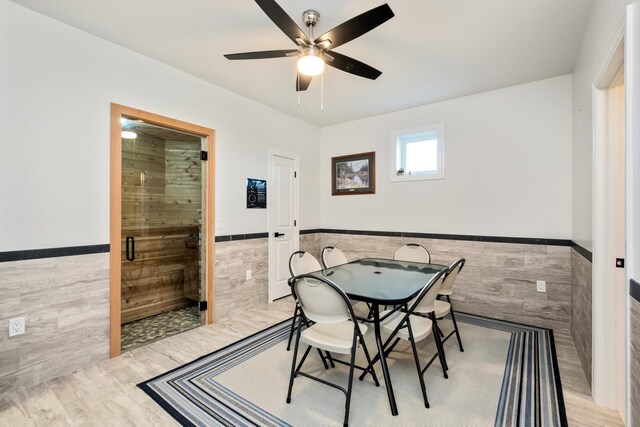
<point>439,174</point>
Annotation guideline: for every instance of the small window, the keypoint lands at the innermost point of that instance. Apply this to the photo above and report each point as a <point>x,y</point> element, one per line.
<point>418,154</point>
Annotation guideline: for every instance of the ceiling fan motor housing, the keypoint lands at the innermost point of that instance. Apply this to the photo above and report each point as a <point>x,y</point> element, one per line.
<point>310,17</point>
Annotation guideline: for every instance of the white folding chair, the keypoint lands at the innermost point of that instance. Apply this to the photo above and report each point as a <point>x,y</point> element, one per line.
<point>332,256</point>
<point>413,252</point>
<point>442,308</point>
<point>405,325</point>
<point>300,262</point>
<point>335,330</point>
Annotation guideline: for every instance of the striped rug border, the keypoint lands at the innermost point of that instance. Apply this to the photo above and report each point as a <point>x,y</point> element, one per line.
<point>512,327</point>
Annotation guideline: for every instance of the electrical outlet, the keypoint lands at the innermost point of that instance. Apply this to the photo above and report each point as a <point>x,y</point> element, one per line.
<point>220,224</point>
<point>248,275</point>
<point>541,286</point>
<point>16,326</point>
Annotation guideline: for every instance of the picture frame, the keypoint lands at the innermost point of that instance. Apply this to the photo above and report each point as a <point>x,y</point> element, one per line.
<point>353,174</point>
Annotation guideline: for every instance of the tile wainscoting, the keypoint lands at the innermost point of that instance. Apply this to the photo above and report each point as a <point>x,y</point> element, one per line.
<point>233,257</point>
<point>581,309</point>
<point>65,301</point>
<point>233,292</point>
<point>498,280</point>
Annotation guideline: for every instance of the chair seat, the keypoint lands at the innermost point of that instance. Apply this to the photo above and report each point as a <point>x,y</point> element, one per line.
<point>446,292</point>
<point>441,308</point>
<point>332,337</point>
<point>420,326</point>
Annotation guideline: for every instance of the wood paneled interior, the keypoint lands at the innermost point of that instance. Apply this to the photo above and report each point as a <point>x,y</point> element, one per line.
<point>162,211</point>
<point>118,181</point>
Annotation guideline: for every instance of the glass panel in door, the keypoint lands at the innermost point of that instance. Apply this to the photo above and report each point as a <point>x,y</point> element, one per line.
<point>162,211</point>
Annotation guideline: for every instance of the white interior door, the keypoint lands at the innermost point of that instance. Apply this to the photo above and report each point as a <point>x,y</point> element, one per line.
<point>283,230</point>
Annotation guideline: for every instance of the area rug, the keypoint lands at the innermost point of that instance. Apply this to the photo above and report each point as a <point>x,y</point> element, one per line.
<point>507,376</point>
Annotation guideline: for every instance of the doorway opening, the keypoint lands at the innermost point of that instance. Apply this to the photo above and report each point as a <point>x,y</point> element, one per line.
<point>161,235</point>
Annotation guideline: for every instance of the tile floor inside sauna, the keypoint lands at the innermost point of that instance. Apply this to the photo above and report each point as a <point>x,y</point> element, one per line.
<point>150,329</point>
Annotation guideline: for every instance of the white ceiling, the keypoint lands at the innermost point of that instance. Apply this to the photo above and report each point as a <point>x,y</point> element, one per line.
<point>430,51</point>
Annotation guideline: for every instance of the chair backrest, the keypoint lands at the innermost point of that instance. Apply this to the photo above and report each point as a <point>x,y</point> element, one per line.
<point>332,256</point>
<point>425,297</point>
<point>321,300</point>
<point>413,252</point>
<point>450,279</point>
<point>424,303</point>
<point>301,262</point>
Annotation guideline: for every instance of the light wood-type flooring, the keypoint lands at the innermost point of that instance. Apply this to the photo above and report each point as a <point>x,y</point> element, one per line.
<point>106,393</point>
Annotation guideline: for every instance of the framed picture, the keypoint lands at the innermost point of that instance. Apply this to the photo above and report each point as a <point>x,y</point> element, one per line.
<point>353,174</point>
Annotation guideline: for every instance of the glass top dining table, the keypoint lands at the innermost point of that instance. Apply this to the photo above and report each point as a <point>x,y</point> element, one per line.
<point>381,281</point>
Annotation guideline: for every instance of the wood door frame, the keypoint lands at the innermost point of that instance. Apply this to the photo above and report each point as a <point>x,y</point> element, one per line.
<point>117,112</point>
<point>274,152</point>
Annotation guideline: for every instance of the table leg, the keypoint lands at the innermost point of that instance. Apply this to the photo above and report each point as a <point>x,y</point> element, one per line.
<point>383,361</point>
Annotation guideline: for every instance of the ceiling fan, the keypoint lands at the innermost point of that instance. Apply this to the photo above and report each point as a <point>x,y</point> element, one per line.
<point>313,54</point>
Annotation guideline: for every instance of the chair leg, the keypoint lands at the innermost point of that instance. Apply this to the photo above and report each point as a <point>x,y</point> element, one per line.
<point>436,336</point>
<point>372,371</point>
<point>388,351</point>
<point>328,356</point>
<point>455,324</point>
<point>349,386</point>
<point>370,314</point>
<point>293,362</point>
<point>293,327</point>
<point>417,361</point>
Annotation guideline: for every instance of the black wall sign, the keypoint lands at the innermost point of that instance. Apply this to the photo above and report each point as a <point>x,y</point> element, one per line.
<point>256,193</point>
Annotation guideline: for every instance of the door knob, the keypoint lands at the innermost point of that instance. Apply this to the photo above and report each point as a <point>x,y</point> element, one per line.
<point>276,234</point>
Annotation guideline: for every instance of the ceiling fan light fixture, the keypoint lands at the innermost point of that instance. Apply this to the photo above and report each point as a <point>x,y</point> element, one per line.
<point>310,65</point>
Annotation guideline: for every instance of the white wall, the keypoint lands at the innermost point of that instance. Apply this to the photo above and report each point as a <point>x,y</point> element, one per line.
<point>507,173</point>
<point>605,20</point>
<point>56,86</point>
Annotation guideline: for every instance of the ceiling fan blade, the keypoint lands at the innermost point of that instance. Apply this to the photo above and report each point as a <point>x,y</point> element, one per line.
<point>282,20</point>
<point>264,54</point>
<point>353,66</point>
<point>302,82</point>
<point>357,26</point>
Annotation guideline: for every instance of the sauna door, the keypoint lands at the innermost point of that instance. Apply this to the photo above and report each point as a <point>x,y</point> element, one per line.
<point>162,211</point>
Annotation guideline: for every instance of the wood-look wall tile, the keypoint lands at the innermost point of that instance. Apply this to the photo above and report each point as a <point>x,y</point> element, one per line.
<point>581,309</point>
<point>65,302</point>
<point>498,280</point>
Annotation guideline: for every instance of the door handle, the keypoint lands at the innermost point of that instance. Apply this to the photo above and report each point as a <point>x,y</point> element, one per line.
<point>131,253</point>
<point>276,234</point>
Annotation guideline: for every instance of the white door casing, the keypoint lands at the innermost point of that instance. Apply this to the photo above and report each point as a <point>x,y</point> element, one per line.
<point>609,296</point>
<point>283,196</point>
<point>632,119</point>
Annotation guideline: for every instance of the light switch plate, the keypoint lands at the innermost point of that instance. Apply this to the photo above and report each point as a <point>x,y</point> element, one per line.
<point>248,275</point>
<point>541,286</point>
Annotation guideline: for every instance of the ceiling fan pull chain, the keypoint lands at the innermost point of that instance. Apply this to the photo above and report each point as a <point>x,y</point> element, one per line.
<point>321,92</point>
